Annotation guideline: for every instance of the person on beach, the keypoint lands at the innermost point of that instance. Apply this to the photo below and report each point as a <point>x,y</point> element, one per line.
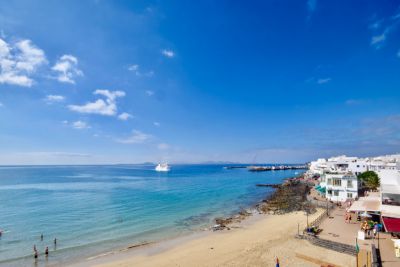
<point>41,237</point>
<point>34,248</point>
<point>277,262</point>
<point>55,241</point>
<point>36,254</point>
<point>47,251</point>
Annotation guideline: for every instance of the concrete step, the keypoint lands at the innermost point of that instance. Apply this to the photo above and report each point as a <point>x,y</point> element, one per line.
<point>332,245</point>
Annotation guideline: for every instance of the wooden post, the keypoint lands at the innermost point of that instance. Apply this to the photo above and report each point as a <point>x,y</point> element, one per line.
<point>327,207</point>
<point>298,229</point>
<point>356,254</point>
<point>307,219</point>
<point>378,240</point>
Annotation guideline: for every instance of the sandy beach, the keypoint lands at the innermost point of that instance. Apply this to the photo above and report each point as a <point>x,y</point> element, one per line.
<point>256,241</point>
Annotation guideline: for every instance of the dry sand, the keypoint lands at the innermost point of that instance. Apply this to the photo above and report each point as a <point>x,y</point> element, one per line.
<point>257,242</point>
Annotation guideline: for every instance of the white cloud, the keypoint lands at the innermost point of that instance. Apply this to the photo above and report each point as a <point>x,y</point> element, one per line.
<point>378,39</point>
<point>124,116</point>
<point>163,146</point>
<point>19,61</point>
<point>1,105</point>
<point>137,137</point>
<point>54,98</point>
<point>135,68</point>
<point>322,81</point>
<point>168,53</point>
<point>80,125</point>
<point>107,107</point>
<point>67,69</point>
<point>149,92</point>
<point>156,123</point>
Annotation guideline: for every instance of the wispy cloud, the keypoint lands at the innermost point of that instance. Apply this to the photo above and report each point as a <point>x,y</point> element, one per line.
<point>54,98</point>
<point>137,137</point>
<point>323,81</point>
<point>1,105</point>
<point>353,102</point>
<point>377,40</point>
<point>168,53</point>
<point>107,107</point>
<point>311,6</point>
<point>135,68</point>
<point>19,61</point>
<point>163,146</point>
<point>124,116</point>
<point>67,69</point>
<point>80,125</point>
<point>149,92</point>
<point>156,123</point>
<point>398,53</point>
<point>58,154</point>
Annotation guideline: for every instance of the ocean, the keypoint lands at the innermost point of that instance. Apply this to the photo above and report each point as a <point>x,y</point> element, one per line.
<point>95,209</point>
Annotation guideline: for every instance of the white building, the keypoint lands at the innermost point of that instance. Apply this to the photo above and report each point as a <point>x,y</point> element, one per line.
<point>317,167</point>
<point>340,186</point>
<point>353,164</point>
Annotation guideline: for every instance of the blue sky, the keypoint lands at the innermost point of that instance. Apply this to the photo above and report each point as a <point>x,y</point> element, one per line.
<point>134,81</point>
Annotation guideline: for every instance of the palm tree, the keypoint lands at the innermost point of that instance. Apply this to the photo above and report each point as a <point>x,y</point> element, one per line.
<point>370,179</point>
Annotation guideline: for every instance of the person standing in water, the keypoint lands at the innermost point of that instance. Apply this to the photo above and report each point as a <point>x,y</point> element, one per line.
<point>41,237</point>
<point>47,251</point>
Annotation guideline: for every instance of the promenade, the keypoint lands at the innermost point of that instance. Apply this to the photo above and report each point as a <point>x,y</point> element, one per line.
<point>334,228</point>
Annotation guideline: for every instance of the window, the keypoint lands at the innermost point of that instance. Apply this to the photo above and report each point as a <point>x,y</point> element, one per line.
<point>349,183</point>
<point>349,195</point>
<point>336,193</point>
<point>337,182</point>
<point>329,181</point>
<point>329,192</point>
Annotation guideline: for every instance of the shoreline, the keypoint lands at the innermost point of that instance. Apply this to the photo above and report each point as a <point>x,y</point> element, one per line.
<point>244,218</point>
<point>256,241</point>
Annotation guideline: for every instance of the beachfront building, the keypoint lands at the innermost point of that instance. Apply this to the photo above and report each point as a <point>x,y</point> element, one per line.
<point>317,167</point>
<point>341,186</point>
<point>390,199</point>
<point>338,164</point>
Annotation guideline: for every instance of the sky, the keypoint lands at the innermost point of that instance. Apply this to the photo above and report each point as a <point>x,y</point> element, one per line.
<point>93,82</point>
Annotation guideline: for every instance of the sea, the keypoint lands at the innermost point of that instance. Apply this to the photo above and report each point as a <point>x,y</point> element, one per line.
<point>91,210</point>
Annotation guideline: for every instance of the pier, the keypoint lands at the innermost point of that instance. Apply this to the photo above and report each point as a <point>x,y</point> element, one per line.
<point>276,168</point>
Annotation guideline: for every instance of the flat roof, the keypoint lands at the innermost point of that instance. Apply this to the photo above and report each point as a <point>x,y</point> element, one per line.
<point>372,203</point>
<point>390,211</point>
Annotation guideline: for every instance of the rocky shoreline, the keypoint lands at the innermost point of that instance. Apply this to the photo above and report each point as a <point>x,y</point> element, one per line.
<point>289,196</point>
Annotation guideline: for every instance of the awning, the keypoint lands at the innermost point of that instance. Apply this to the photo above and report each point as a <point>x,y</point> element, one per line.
<point>391,224</point>
<point>365,204</point>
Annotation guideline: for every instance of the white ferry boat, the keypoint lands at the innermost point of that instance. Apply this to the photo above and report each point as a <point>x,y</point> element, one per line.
<point>162,167</point>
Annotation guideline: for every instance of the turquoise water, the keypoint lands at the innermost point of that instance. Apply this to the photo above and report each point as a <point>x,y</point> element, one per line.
<point>93,209</point>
